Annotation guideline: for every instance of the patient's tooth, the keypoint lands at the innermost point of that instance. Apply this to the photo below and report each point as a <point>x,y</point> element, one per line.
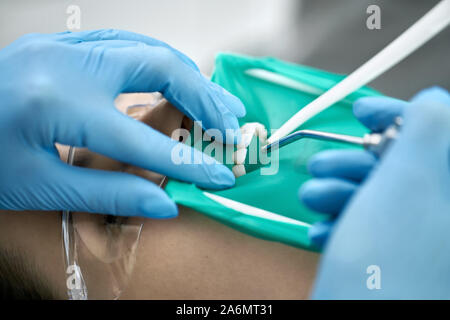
<point>248,131</point>
<point>249,127</point>
<point>258,126</point>
<point>246,138</point>
<point>239,156</point>
<point>262,134</point>
<point>238,170</point>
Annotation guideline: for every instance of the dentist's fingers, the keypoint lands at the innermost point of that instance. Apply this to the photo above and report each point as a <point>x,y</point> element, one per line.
<point>425,136</point>
<point>132,66</point>
<point>115,135</point>
<point>97,191</point>
<point>320,232</point>
<point>106,35</point>
<point>149,69</point>
<point>114,34</point>
<point>229,101</point>
<point>327,195</point>
<point>377,113</point>
<point>352,165</point>
<point>435,94</point>
<point>110,44</point>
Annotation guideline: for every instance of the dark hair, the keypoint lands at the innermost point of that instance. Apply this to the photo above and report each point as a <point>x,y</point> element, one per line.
<point>19,278</point>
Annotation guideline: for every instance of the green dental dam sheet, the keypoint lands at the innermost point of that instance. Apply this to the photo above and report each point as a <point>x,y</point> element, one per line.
<point>271,209</point>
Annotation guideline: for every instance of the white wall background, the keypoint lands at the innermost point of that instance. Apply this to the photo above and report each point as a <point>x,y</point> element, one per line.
<point>199,28</point>
<point>327,34</point>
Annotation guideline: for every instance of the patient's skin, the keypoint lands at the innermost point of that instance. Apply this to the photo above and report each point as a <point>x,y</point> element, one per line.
<point>189,257</point>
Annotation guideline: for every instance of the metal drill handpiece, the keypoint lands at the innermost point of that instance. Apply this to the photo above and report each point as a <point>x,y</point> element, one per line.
<point>374,142</point>
<point>377,143</point>
<point>319,135</point>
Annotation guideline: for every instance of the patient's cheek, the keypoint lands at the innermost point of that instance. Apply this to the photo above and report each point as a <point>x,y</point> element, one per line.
<point>195,257</point>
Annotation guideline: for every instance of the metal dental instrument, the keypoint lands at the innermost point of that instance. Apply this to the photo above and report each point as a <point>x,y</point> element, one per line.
<point>434,21</point>
<point>373,142</point>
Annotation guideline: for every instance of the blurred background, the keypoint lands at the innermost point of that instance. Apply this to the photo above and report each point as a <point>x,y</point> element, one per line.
<point>327,34</point>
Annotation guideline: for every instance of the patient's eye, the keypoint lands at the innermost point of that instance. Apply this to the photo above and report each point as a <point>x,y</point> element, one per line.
<point>110,219</point>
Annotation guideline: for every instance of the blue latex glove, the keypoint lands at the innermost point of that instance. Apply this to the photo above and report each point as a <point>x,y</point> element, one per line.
<point>398,220</point>
<point>61,88</point>
<point>338,173</point>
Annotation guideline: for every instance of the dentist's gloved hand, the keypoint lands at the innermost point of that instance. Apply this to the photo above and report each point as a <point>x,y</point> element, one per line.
<point>339,173</point>
<point>61,88</point>
<point>398,219</point>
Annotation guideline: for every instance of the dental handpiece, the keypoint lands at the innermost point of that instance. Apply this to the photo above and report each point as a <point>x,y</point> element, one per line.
<point>376,143</point>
